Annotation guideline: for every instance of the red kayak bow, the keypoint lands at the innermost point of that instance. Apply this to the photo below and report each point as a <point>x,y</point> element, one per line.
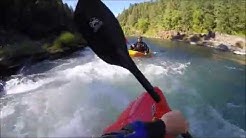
<point>144,108</point>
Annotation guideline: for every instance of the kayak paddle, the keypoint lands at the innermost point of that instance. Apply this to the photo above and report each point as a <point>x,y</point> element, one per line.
<point>105,37</point>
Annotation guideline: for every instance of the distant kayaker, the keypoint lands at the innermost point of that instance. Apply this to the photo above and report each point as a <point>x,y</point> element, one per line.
<point>172,123</point>
<point>140,46</point>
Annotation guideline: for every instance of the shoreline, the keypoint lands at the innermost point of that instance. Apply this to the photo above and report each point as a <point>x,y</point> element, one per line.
<point>11,66</point>
<point>25,52</point>
<point>227,44</point>
<point>222,42</point>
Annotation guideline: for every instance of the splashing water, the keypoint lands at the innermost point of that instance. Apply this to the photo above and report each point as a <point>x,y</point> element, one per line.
<point>80,96</point>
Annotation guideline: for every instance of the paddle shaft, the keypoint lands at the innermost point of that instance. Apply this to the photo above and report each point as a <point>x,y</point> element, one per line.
<point>131,66</point>
<point>150,89</point>
<point>146,84</point>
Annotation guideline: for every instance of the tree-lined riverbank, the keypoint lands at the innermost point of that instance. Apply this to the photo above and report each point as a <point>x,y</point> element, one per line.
<point>190,21</point>
<point>33,30</point>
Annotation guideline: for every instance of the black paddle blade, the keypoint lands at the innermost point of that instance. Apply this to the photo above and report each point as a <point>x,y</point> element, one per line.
<point>104,35</point>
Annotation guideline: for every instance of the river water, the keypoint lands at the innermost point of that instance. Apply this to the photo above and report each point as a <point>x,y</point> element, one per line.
<point>80,95</point>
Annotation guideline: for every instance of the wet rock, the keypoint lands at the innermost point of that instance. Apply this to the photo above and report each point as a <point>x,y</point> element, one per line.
<point>209,35</point>
<point>195,38</point>
<point>10,66</point>
<point>178,37</point>
<point>223,47</point>
<point>223,42</point>
<point>2,85</point>
<point>240,48</point>
<point>240,44</point>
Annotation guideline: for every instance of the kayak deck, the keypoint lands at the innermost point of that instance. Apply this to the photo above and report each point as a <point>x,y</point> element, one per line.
<point>134,53</point>
<point>144,108</point>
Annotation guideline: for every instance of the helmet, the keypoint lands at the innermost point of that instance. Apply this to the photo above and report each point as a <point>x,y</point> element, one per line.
<point>140,37</point>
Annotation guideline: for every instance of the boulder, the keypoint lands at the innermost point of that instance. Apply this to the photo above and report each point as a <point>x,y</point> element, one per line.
<point>178,36</point>
<point>223,47</point>
<point>195,38</point>
<point>240,44</point>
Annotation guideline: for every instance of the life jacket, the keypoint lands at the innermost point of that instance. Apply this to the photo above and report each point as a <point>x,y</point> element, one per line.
<point>140,46</point>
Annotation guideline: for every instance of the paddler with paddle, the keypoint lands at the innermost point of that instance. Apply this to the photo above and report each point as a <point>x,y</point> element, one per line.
<point>105,37</point>
<point>140,46</point>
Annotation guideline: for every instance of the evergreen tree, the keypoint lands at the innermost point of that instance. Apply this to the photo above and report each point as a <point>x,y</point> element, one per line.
<point>200,16</point>
<point>36,18</point>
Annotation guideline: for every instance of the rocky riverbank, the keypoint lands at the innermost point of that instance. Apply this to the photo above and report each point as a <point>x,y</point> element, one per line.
<point>24,51</point>
<point>223,42</point>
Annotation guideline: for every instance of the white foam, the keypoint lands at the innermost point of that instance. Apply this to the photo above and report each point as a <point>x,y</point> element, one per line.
<point>71,128</point>
<point>62,102</point>
<point>82,96</point>
<point>234,68</point>
<point>156,70</point>
<point>23,85</point>
<point>6,111</point>
<point>87,72</point>
<point>164,69</point>
<point>96,70</point>
<point>232,105</point>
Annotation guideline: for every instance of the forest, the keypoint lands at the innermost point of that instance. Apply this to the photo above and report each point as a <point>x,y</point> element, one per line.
<point>35,30</point>
<point>35,18</point>
<point>193,16</point>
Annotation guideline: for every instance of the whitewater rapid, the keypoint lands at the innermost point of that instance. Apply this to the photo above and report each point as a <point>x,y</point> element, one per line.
<point>79,96</point>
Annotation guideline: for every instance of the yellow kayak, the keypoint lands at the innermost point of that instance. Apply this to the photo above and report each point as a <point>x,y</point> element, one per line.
<point>134,53</point>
